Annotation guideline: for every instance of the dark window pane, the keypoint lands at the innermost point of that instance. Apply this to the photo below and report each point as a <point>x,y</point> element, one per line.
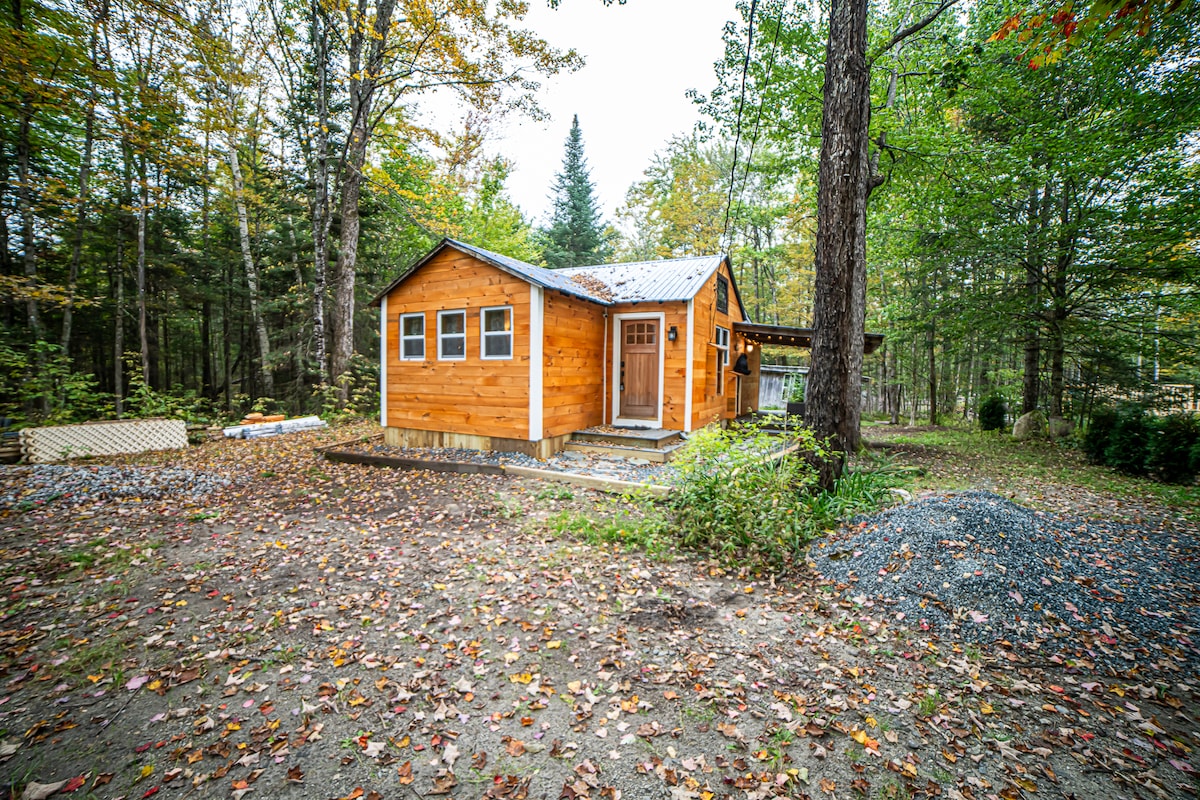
<point>497,346</point>
<point>414,326</point>
<point>454,346</point>
<point>454,323</point>
<point>496,320</point>
<point>414,348</point>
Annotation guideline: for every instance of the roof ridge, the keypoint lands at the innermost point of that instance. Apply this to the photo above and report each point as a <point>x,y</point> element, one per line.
<point>635,263</point>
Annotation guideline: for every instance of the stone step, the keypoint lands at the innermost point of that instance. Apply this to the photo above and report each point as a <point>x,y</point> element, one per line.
<point>657,455</point>
<point>641,439</point>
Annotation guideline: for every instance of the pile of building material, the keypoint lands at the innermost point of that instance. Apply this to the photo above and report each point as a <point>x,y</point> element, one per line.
<point>256,427</point>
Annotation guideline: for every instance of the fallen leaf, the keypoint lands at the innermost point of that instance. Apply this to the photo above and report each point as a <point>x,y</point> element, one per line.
<point>40,791</point>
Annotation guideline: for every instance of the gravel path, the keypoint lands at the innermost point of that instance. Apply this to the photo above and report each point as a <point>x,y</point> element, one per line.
<point>29,486</point>
<point>600,466</point>
<point>1080,590</point>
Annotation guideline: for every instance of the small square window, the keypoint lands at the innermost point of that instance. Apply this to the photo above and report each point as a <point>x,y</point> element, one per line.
<point>412,337</point>
<point>497,334</point>
<point>452,335</point>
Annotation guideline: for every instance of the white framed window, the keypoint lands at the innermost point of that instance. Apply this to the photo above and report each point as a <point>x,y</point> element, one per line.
<point>722,345</point>
<point>452,335</point>
<point>496,332</point>
<point>412,337</point>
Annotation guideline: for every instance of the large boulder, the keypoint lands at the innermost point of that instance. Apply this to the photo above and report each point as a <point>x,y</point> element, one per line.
<point>1030,426</point>
<point>1061,427</point>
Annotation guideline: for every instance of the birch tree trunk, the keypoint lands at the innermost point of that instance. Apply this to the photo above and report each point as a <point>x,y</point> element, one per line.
<point>266,379</point>
<point>320,202</point>
<point>144,202</point>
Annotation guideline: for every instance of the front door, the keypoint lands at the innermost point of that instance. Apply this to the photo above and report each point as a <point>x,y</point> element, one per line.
<point>639,369</point>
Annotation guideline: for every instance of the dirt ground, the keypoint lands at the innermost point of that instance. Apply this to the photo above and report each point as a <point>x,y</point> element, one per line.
<point>334,631</point>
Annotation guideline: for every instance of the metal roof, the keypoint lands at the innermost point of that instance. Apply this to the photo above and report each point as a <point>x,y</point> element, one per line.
<point>546,278</point>
<point>651,281</point>
<point>606,284</point>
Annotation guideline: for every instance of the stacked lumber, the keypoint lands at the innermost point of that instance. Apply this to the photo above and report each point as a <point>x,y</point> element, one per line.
<point>258,419</point>
<point>271,426</point>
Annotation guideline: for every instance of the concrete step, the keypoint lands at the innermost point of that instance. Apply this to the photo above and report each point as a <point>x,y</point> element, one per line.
<point>640,439</point>
<point>657,455</point>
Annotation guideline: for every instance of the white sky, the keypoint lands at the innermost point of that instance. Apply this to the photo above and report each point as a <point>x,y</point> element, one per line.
<point>642,57</point>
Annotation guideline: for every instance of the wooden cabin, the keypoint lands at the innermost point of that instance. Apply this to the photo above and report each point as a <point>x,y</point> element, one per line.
<point>483,351</point>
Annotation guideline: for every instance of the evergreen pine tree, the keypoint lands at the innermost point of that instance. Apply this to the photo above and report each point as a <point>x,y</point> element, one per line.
<point>576,236</point>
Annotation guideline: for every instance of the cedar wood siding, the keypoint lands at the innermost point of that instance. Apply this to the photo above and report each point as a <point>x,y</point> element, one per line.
<point>472,396</point>
<point>572,364</point>
<point>707,405</point>
<point>674,357</point>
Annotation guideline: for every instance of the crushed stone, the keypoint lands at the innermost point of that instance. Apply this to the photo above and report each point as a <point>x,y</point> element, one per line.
<point>23,487</point>
<point>1082,591</point>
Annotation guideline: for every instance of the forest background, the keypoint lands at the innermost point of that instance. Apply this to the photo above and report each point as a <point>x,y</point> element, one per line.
<point>198,200</point>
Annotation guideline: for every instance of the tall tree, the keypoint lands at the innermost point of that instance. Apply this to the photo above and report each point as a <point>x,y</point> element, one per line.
<point>470,47</point>
<point>576,235</point>
<point>846,176</point>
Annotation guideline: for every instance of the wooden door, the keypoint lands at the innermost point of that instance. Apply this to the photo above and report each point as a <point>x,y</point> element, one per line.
<point>639,369</point>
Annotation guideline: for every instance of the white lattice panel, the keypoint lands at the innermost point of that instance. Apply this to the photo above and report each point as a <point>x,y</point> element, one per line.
<point>59,443</point>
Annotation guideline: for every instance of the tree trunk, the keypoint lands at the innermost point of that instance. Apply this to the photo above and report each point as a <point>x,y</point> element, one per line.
<point>363,82</point>
<point>85,170</point>
<point>1058,311</point>
<point>144,201</point>
<point>931,355</point>
<point>1033,282</point>
<point>320,202</point>
<point>833,407</point>
<point>266,380</point>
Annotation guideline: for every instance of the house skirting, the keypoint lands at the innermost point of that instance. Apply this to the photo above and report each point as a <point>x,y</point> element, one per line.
<point>411,437</point>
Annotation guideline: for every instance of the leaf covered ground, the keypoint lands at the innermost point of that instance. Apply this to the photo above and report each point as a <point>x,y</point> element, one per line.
<point>318,630</point>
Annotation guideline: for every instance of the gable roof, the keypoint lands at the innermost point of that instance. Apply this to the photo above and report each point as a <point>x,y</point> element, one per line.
<point>538,276</point>
<point>605,284</point>
<point>651,281</point>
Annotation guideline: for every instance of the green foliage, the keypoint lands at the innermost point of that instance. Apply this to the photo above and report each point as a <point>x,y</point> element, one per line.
<point>735,499</point>
<point>361,382</point>
<point>992,413</point>
<point>1129,440</point>
<point>637,525</point>
<point>1099,429</point>
<point>1173,440</point>
<point>39,385</point>
<point>576,236</point>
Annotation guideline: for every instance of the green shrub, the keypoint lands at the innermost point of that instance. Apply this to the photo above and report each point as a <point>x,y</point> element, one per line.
<point>1173,441</point>
<point>1129,440</point>
<point>737,502</point>
<point>992,412</point>
<point>39,385</point>
<point>1099,429</point>
<point>360,386</point>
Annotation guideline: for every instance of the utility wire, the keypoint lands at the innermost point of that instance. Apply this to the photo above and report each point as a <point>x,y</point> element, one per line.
<point>761,102</point>
<point>738,123</point>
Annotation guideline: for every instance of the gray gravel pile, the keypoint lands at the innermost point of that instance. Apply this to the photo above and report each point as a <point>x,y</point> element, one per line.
<point>27,487</point>
<point>1081,591</point>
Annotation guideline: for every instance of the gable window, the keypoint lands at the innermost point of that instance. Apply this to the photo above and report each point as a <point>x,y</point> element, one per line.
<point>722,294</point>
<point>452,335</point>
<point>722,345</point>
<point>497,333</point>
<point>412,337</point>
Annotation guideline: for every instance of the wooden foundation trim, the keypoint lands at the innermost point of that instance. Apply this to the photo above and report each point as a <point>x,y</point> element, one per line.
<point>609,485</point>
